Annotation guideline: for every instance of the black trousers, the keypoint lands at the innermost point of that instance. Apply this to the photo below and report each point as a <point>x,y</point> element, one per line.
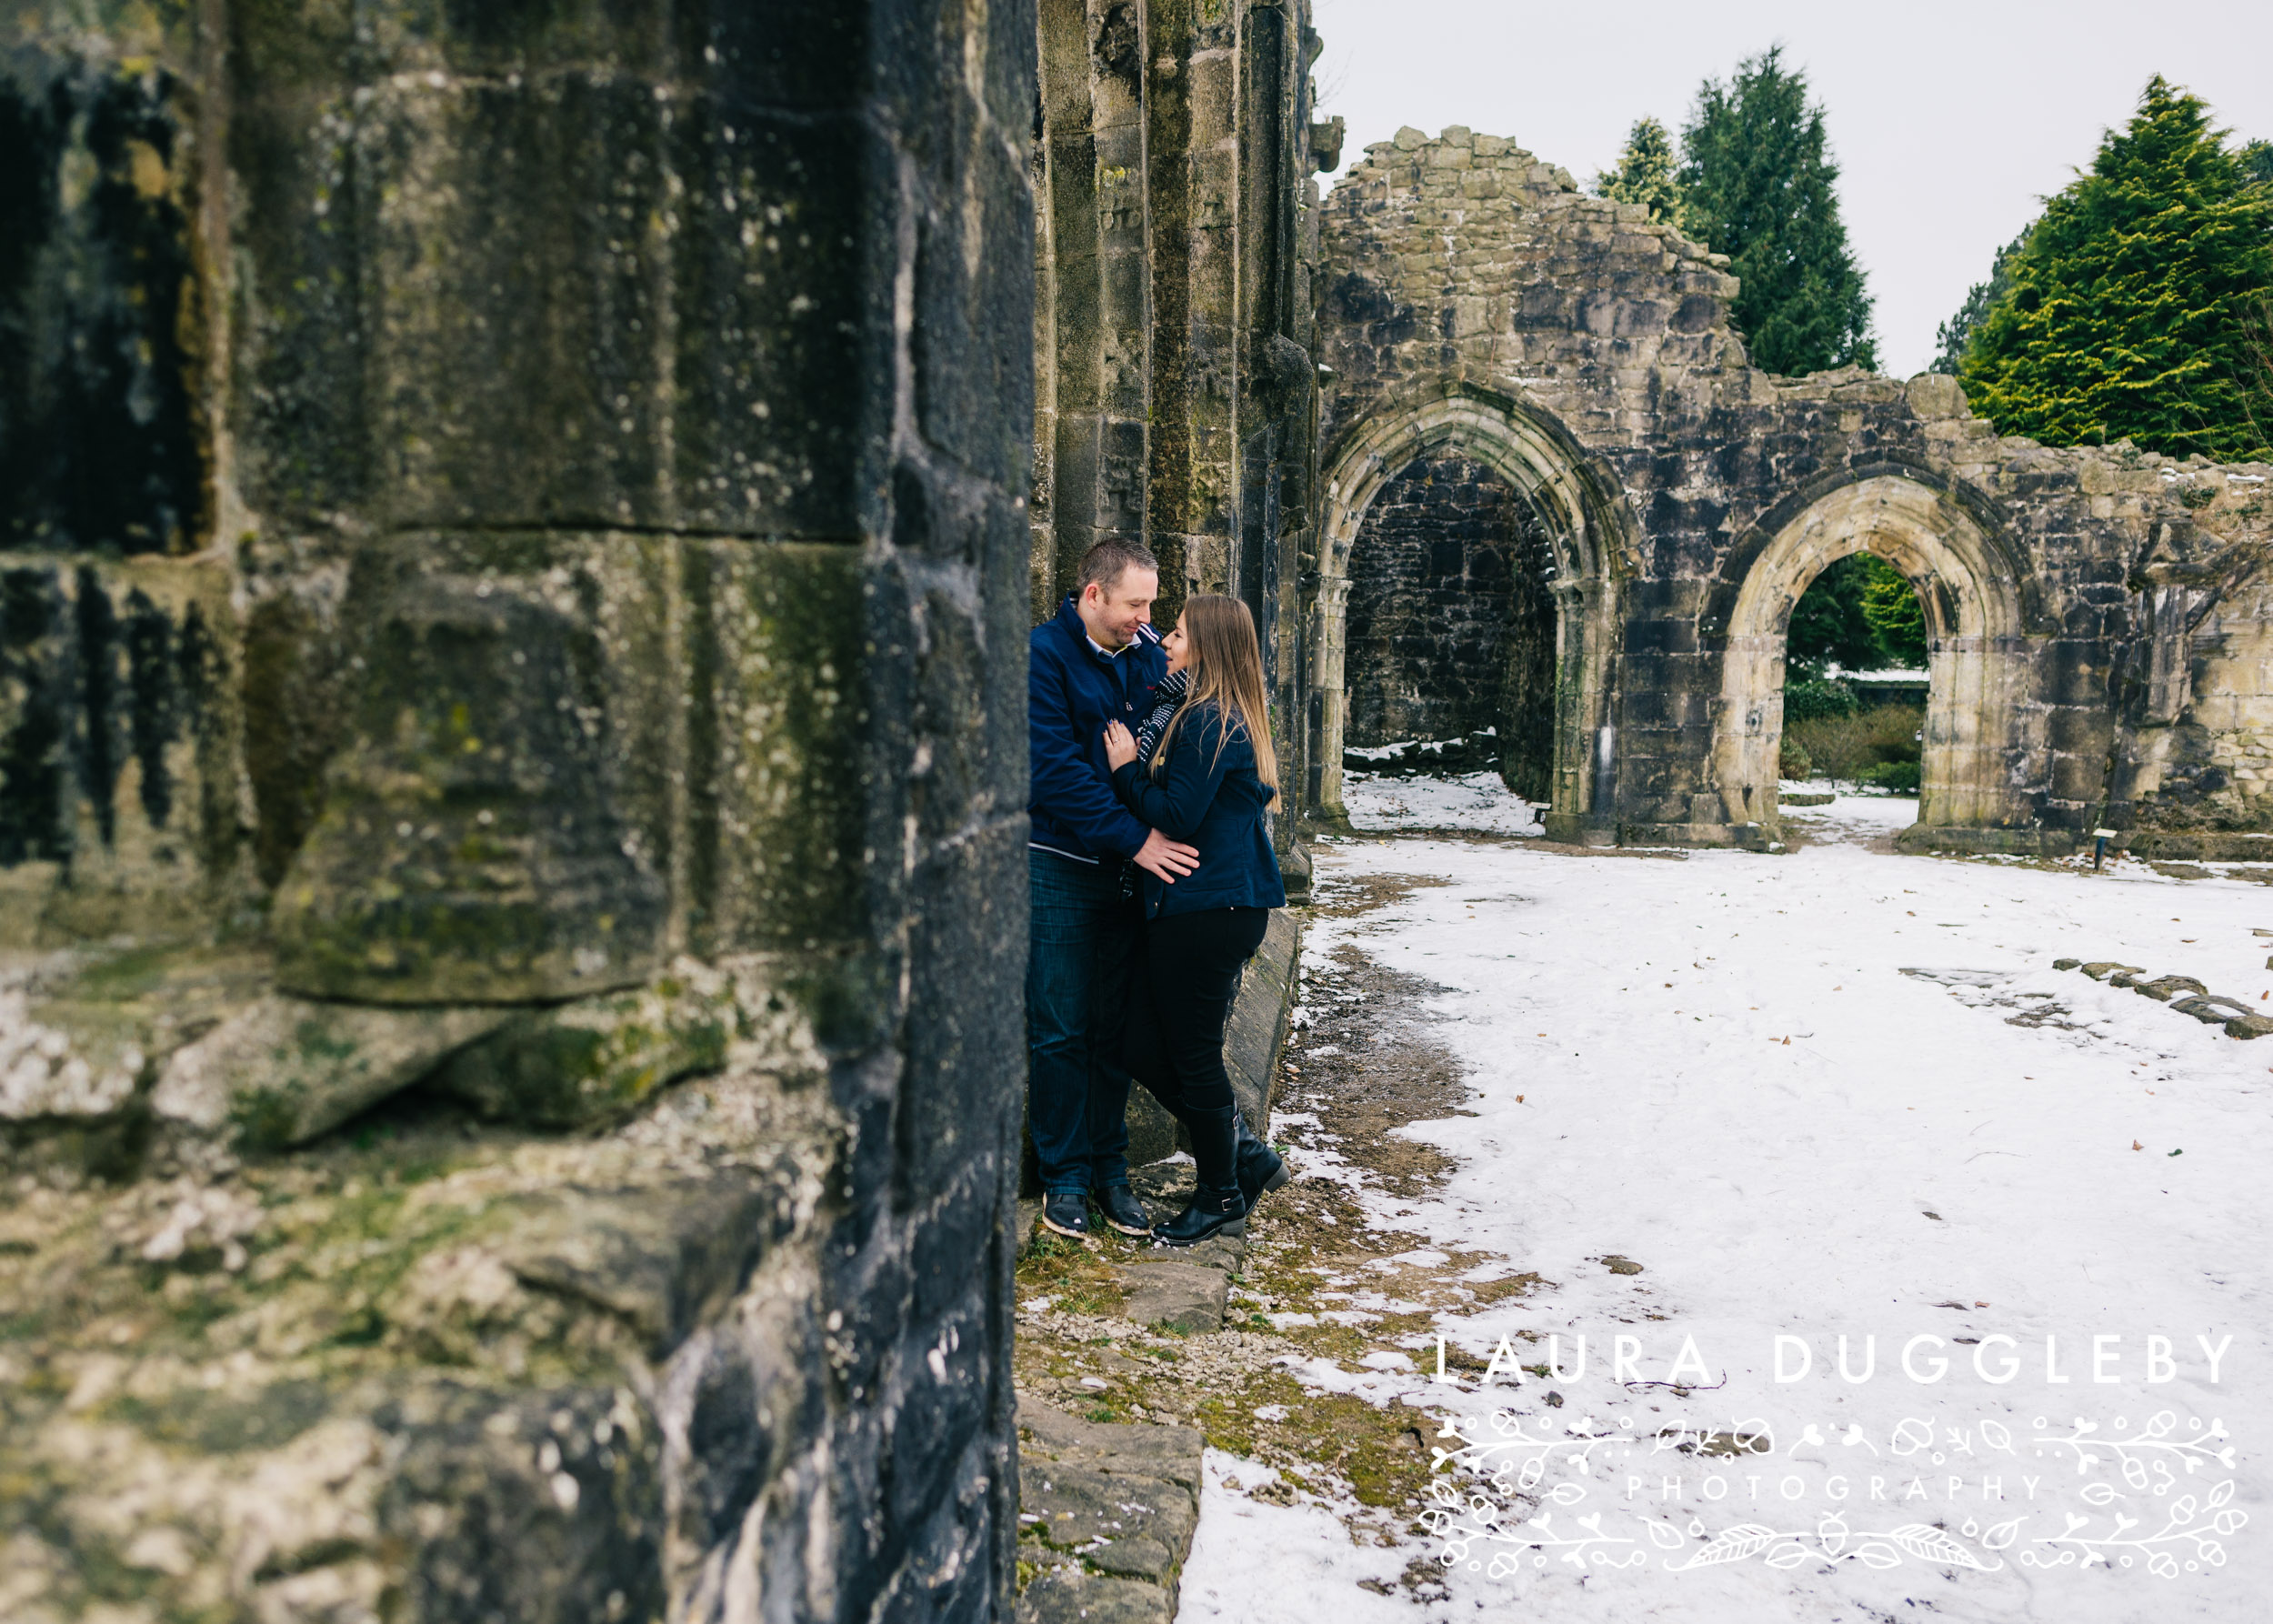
<point>1187,974</point>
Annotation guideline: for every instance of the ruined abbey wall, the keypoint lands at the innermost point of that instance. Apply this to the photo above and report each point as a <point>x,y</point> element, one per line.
<point>1176,231</point>
<point>2094,637</point>
<point>1447,585</point>
<point>513,577</point>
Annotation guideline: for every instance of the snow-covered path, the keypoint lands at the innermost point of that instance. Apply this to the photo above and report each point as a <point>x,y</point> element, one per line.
<point>1792,1090</point>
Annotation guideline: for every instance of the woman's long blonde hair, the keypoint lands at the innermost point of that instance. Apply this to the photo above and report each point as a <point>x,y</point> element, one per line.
<point>1226,666</point>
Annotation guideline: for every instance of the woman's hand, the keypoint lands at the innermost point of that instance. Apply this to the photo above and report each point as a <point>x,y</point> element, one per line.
<point>1120,746</point>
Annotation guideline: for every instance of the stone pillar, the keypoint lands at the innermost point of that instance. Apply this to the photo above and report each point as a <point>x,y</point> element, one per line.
<point>1198,231</point>
<point>1329,616</point>
<point>1178,403</point>
<point>593,442</point>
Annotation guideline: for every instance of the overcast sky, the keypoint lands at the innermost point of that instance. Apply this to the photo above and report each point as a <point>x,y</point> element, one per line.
<point>1948,120</point>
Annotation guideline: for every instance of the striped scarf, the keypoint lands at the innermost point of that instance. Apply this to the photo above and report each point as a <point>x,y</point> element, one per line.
<point>1167,697</point>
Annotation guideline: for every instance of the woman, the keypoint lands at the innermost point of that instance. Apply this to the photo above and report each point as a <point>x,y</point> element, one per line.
<point>1205,783</point>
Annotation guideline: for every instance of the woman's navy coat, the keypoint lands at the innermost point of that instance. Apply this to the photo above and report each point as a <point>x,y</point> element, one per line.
<point>1212,800</point>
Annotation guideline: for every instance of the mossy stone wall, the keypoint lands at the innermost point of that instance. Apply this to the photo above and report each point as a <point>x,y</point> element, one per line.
<point>503,503</point>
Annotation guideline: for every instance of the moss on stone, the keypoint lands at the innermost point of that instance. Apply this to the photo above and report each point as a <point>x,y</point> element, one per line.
<point>592,1063</point>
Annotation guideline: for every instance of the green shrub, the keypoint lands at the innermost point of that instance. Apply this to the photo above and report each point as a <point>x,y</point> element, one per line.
<point>1900,776</point>
<point>1892,731</point>
<point>1834,744</point>
<point>1810,699</point>
<point>1852,747</point>
<point>1793,761</point>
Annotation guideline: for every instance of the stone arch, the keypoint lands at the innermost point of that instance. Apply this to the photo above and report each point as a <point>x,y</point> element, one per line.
<point>1971,588</point>
<point>1589,532</point>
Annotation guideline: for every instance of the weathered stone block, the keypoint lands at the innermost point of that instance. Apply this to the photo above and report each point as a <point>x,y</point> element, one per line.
<point>477,784</point>
<point>596,1061</point>
<point>1069,1594</point>
<point>2163,988</point>
<point>282,1070</point>
<point>779,677</point>
<point>1185,1296</point>
<point>663,1257</point>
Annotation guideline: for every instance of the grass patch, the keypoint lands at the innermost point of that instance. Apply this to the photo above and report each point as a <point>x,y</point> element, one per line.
<point>1079,1279</point>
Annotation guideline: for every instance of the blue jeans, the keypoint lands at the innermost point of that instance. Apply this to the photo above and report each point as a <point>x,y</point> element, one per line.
<point>1080,975</point>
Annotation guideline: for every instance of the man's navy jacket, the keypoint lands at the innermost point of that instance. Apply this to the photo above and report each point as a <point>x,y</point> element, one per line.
<point>1071,691</point>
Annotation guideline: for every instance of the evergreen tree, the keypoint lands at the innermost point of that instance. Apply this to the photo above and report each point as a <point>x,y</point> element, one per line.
<point>2256,163</point>
<point>1757,184</point>
<point>2133,301</point>
<point>1896,619</point>
<point>1955,333</point>
<point>1860,614</point>
<point>1648,172</point>
<point>1828,624</point>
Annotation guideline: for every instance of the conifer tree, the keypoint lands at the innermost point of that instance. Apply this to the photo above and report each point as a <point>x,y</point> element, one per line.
<point>1649,170</point>
<point>1890,605</point>
<point>1758,185</point>
<point>1859,614</point>
<point>1828,624</point>
<point>2134,303</point>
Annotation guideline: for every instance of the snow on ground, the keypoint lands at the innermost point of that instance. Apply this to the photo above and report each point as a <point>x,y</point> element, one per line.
<point>1270,1564</point>
<point>1838,1092</point>
<point>1477,801</point>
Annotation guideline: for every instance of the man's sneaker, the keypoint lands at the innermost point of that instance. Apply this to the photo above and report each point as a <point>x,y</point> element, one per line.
<point>1067,1211</point>
<point>1124,1211</point>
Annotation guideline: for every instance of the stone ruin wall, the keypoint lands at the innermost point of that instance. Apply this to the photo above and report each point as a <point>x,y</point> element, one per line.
<point>1431,602</point>
<point>2100,633</point>
<point>1451,628</point>
<point>513,590</point>
<point>515,553</point>
<point>1177,240</point>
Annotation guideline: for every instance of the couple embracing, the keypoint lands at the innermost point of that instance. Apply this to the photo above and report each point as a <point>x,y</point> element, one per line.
<point>1152,881</point>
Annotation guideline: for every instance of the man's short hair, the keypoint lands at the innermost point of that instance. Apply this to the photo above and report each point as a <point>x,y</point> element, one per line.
<point>1111,558</point>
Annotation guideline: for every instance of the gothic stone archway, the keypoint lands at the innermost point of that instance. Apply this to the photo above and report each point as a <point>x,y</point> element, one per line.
<point>1543,465</point>
<point>1976,661</point>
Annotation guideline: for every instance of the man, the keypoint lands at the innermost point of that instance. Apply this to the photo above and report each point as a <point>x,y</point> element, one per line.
<point>1096,661</point>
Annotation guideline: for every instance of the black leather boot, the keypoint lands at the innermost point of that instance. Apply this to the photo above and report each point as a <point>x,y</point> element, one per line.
<point>1261,1169</point>
<point>1067,1211</point>
<point>1124,1211</point>
<point>1218,1207</point>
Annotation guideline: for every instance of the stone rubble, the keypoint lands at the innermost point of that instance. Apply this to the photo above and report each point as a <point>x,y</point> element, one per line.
<point>2183,994</point>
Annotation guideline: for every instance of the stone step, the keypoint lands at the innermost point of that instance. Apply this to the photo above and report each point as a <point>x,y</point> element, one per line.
<point>1105,1511</point>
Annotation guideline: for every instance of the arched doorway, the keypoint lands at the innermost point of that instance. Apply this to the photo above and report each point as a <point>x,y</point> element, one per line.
<point>1535,460</point>
<point>1974,737</point>
<point>1451,617</point>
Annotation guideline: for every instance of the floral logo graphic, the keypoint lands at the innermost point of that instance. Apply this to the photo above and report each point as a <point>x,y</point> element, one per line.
<point>1831,1541</point>
<point>1500,1520</point>
<point>2182,1541</point>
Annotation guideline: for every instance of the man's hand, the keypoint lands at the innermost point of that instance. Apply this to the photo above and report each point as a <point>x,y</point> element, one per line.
<point>1120,746</point>
<point>1167,858</point>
